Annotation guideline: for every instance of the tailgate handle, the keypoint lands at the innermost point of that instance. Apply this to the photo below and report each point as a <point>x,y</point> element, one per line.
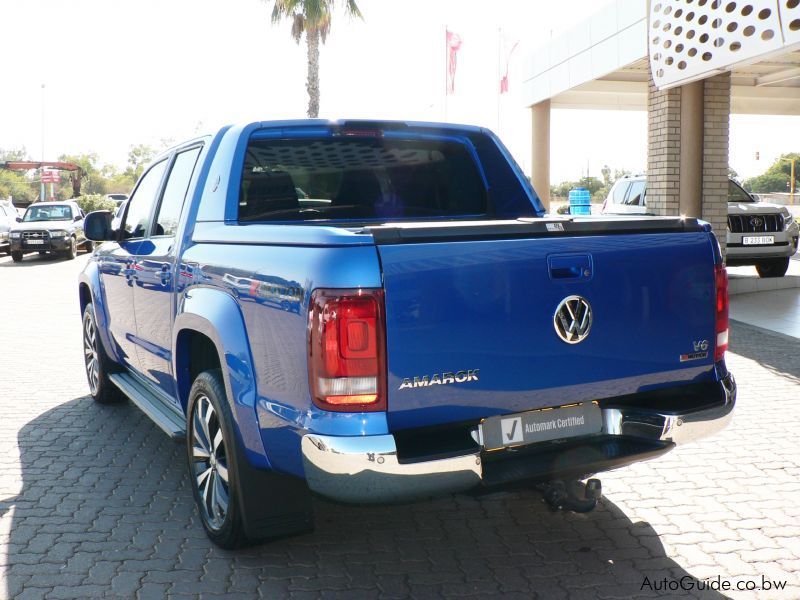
<point>571,266</point>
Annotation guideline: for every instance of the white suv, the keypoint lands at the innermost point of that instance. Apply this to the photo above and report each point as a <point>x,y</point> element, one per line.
<point>759,233</point>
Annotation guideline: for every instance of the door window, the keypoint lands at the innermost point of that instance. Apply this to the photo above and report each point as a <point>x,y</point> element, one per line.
<point>636,194</point>
<point>175,192</point>
<point>618,195</point>
<point>737,194</point>
<point>140,206</point>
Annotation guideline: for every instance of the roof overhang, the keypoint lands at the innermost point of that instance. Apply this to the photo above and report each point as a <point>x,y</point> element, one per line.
<point>603,62</point>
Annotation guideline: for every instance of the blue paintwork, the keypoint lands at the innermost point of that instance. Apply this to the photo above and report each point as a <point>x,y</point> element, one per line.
<point>277,331</point>
<point>489,305</point>
<point>217,315</point>
<point>453,306</point>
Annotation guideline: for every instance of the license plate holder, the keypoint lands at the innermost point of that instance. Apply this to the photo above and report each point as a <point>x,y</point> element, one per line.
<point>544,425</point>
<point>758,240</point>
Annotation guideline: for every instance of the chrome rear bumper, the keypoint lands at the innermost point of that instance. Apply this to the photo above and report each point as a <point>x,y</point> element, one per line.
<point>366,469</point>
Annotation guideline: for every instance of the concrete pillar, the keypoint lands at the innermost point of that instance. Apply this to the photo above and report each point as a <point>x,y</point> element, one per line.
<point>691,157</point>
<point>687,159</point>
<point>716,139</point>
<point>540,155</point>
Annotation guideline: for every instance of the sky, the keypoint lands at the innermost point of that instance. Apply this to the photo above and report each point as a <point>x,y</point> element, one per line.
<point>122,73</point>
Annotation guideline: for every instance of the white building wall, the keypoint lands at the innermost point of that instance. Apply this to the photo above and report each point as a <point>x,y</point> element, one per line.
<point>611,39</point>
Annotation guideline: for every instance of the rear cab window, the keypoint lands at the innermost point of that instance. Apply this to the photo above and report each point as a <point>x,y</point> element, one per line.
<point>374,178</point>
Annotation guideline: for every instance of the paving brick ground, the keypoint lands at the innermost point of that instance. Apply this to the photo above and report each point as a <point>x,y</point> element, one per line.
<point>94,501</point>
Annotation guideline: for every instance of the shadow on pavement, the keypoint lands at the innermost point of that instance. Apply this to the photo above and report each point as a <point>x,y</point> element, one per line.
<point>105,509</point>
<point>31,260</point>
<point>774,351</point>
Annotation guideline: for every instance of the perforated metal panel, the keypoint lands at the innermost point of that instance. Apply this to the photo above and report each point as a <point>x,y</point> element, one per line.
<point>790,19</point>
<point>691,38</point>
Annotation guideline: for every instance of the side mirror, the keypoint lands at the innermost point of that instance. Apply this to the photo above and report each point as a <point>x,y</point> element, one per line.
<point>77,218</point>
<point>97,226</point>
<point>19,219</point>
<point>755,197</point>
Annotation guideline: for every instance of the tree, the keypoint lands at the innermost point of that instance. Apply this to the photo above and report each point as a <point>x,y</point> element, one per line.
<point>138,157</point>
<point>777,177</point>
<point>88,174</point>
<point>312,17</point>
<point>606,172</point>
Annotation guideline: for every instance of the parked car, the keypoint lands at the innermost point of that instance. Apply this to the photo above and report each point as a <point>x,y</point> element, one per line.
<point>49,227</point>
<point>415,327</point>
<point>759,233</point>
<point>117,198</point>
<point>8,218</point>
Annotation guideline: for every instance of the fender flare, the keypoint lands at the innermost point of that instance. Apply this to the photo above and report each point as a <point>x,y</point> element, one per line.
<point>216,315</point>
<point>90,277</point>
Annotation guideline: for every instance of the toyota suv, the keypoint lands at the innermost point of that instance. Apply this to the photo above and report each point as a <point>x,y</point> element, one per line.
<point>759,233</point>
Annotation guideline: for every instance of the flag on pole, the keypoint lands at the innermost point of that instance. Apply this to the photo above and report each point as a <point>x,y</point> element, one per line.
<point>507,49</point>
<point>452,45</point>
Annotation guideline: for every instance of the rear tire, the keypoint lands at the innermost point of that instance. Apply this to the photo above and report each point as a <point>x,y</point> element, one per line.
<point>212,463</point>
<point>16,256</point>
<point>98,365</point>
<point>773,267</point>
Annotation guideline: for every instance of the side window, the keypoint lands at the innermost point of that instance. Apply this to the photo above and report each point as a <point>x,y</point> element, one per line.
<point>175,192</point>
<point>618,196</point>
<point>141,204</point>
<point>636,195</point>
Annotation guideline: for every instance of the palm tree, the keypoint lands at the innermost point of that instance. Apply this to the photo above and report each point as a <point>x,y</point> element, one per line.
<point>314,18</point>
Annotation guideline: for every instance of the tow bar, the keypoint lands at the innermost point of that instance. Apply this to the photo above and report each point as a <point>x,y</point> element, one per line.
<point>572,494</point>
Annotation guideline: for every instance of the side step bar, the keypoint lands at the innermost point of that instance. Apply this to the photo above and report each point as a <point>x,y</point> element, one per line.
<point>151,405</point>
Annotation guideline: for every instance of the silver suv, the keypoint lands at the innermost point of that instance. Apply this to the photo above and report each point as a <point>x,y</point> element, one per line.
<point>759,233</point>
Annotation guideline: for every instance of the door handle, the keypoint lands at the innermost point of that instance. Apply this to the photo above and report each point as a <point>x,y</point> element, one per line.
<point>165,274</point>
<point>570,266</point>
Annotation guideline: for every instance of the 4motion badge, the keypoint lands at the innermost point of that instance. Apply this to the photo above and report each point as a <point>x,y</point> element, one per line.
<point>700,351</point>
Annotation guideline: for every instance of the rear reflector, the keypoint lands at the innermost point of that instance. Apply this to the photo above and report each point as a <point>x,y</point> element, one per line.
<point>346,350</point>
<point>721,284</point>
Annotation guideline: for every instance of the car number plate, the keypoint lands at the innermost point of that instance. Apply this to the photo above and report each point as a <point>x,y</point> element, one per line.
<point>34,242</point>
<point>758,240</point>
<point>541,425</point>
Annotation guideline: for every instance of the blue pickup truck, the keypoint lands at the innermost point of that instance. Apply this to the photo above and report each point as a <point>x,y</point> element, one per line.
<point>382,311</point>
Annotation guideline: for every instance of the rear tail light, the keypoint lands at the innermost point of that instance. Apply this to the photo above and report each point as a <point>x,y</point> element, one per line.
<point>721,281</point>
<point>347,350</point>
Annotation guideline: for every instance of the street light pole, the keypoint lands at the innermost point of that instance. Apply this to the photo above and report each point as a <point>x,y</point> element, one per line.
<point>41,170</point>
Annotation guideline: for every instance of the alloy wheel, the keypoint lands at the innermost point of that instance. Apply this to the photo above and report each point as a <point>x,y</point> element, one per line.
<point>210,463</point>
<point>90,354</point>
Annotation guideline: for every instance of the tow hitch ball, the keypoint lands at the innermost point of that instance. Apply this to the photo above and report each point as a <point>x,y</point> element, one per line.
<point>572,494</point>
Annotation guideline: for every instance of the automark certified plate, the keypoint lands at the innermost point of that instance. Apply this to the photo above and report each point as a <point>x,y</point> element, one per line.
<point>541,425</point>
<point>758,240</point>
<point>34,242</point>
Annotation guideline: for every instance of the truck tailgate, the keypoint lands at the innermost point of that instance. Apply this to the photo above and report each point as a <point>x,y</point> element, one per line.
<point>471,333</point>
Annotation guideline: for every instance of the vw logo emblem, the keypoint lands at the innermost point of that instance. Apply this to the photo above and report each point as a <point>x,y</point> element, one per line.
<point>756,221</point>
<point>573,319</point>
